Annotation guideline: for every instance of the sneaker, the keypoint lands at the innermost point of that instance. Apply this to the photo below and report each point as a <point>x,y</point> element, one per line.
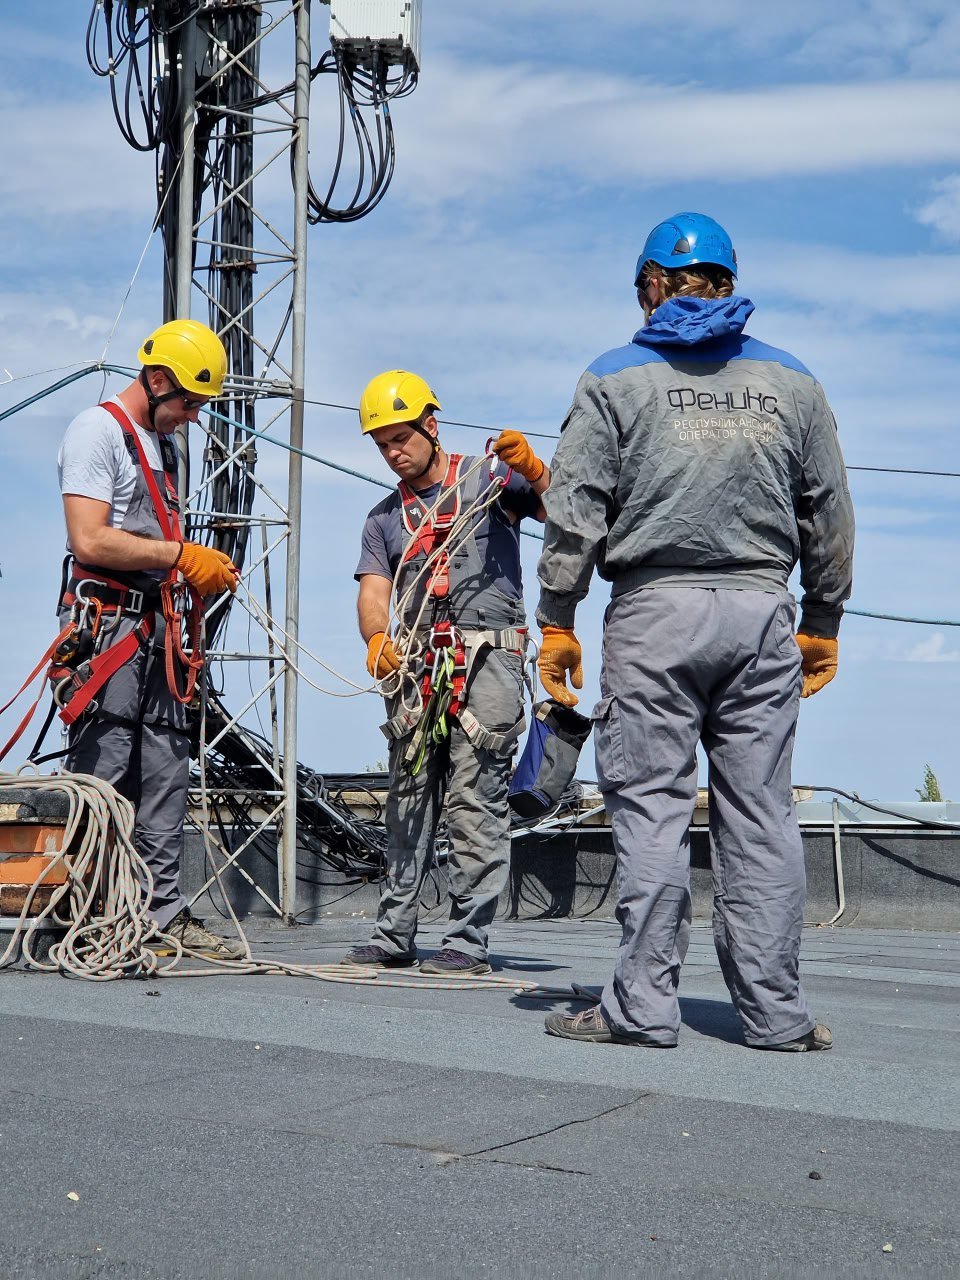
<point>196,940</point>
<point>454,964</point>
<point>590,1025</point>
<point>373,957</point>
<point>814,1041</point>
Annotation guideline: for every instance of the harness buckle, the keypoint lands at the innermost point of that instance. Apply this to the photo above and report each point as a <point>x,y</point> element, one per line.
<point>443,635</point>
<point>133,602</point>
<point>71,682</point>
<point>83,600</point>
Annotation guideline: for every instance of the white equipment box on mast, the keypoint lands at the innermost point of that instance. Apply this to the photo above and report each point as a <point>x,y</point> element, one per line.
<point>393,26</point>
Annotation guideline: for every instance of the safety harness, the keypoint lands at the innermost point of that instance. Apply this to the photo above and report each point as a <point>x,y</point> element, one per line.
<point>451,654</point>
<point>430,532</point>
<point>81,659</point>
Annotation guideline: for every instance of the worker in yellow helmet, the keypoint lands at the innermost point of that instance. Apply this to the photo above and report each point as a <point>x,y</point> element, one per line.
<point>458,713</point>
<point>127,722</point>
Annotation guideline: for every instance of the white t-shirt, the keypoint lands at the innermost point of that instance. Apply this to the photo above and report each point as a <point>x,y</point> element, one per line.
<point>94,462</point>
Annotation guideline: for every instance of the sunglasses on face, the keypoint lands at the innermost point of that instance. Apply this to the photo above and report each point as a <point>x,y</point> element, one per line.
<point>188,402</point>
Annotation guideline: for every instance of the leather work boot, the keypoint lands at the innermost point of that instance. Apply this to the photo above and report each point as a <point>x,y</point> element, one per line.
<point>814,1041</point>
<point>450,963</point>
<point>590,1025</point>
<point>371,956</point>
<point>196,940</point>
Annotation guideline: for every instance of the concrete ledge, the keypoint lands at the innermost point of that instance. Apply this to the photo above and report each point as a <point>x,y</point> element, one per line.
<point>899,877</point>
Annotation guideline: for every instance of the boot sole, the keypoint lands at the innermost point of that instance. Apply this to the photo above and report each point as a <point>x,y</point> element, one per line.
<point>600,1037</point>
<point>477,972</point>
<point>794,1048</point>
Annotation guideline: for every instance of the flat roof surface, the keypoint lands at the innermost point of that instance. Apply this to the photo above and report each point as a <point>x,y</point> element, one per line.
<point>266,1126</point>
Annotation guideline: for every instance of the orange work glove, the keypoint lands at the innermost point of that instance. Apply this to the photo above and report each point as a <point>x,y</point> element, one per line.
<point>382,658</point>
<point>208,571</point>
<point>513,448</point>
<point>819,658</point>
<point>559,653</point>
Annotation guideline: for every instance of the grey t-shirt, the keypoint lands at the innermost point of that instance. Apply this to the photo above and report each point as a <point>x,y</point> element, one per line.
<point>94,461</point>
<point>498,539</point>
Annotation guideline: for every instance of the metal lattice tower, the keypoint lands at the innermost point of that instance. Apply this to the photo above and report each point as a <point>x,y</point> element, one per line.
<point>230,258</point>
<point>219,90</point>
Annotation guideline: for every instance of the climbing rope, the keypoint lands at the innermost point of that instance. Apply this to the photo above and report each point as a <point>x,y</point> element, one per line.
<point>100,909</point>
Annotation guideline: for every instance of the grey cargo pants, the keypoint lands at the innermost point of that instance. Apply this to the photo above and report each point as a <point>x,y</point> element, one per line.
<point>722,666</point>
<point>137,741</point>
<point>475,781</point>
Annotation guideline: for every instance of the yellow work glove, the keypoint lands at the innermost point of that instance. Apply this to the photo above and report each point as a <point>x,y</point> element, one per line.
<point>382,658</point>
<point>818,655</point>
<point>559,653</point>
<point>512,447</point>
<point>208,571</point>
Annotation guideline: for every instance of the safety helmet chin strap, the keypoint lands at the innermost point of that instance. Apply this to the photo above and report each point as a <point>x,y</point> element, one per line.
<point>435,445</point>
<point>153,400</point>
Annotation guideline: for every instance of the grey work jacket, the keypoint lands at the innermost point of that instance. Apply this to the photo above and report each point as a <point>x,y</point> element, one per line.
<point>698,456</point>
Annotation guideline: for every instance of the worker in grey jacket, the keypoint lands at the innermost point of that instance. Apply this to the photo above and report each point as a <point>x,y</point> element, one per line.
<point>696,466</point>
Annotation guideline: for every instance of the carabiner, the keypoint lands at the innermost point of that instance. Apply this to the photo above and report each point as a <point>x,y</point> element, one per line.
<point>488,452</point>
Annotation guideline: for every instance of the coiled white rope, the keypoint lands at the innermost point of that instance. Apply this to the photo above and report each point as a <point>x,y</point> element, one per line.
<point>102,914</point>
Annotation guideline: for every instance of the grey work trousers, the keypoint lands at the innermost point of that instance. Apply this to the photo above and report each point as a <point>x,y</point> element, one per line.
<point>475,781</point>
<point>137,741</point>
<point>722,667</point>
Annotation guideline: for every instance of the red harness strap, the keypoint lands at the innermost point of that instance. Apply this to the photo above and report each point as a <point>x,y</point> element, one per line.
<point>15,738</point>
<point>167,513</point>
<point>428,534</point>
<point>168,518</point>
<point>90,677</point>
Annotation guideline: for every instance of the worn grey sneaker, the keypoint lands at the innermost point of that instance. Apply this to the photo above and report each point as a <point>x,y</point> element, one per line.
<point>590,1025</point>
<point>450,963</point>
<point>814,1041</point>
<point>373,957</point>
<point>195,939</point>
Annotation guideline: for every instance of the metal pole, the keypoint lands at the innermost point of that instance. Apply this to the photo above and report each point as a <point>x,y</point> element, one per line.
<point>301,109</point>
<point>183,279</point>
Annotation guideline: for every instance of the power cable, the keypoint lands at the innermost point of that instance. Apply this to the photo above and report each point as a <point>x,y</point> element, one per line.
<point>911,818</point>
<point>360,475</point>
<point>553,435</point>
<point>367,83</point>
<point>900,617</point>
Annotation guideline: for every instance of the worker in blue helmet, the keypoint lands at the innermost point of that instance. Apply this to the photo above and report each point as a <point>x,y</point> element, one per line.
<point>696,467</point>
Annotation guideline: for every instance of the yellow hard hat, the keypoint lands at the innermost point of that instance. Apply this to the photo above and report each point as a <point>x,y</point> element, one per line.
<point>394,396</point>
<point>192,352</point>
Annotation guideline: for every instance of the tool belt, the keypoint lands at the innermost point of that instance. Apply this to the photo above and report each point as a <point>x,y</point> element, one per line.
<point>84,658</point>
<point>87,653</point>
<point>449,662</point>
<point>112,595</point>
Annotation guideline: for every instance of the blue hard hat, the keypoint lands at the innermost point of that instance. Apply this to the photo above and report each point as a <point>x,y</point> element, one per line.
<point>687,240</point>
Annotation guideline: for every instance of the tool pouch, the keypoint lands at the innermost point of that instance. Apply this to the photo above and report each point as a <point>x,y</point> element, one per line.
<point>548,763</point>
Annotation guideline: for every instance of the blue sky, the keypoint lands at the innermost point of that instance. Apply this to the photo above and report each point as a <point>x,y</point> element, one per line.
<point>537,151</point>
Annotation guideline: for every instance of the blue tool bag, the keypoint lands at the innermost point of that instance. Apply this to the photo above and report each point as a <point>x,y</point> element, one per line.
<point>548,763</point>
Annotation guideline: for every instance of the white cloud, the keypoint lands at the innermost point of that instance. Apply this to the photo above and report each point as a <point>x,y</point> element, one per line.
<point>487,133</point>
<point>56,172</point>
<point>933,649</point>
<point>483,131</point>
<point>942,212</point>
<point>875,38</point>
